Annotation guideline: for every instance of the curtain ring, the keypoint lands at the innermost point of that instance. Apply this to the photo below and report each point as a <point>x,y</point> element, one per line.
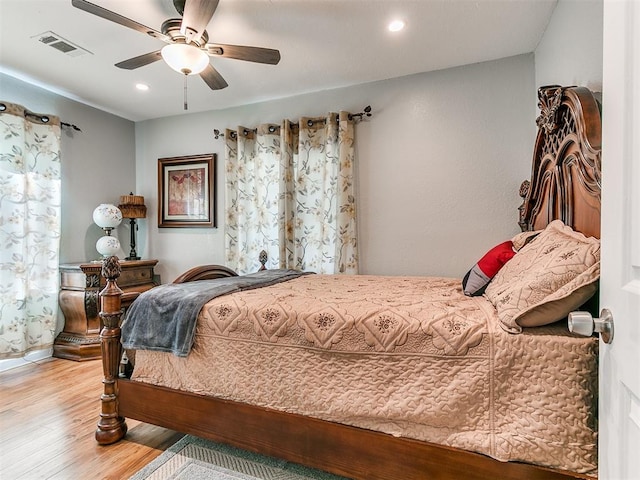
<point>309,123</point>
<point>272,129</point>
<point>3,107</point>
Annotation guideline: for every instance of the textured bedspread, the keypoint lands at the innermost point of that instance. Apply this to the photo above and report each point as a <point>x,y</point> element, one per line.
<point>164,318</point>
<point>409,356</point>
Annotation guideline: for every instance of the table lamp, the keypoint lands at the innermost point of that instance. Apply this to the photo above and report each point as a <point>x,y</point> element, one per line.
<point>132,207</point>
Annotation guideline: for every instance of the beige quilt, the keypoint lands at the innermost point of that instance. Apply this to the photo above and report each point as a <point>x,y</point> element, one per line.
<point>409,356</point>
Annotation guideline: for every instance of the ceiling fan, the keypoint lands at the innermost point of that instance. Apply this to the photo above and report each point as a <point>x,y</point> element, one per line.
<point>187,50</point>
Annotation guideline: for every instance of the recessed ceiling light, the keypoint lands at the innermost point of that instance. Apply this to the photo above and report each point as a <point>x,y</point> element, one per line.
<point>142,86</point>
<point>396,26</point>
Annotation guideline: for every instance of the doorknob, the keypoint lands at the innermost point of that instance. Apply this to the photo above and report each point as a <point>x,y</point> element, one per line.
<point>583,323</point>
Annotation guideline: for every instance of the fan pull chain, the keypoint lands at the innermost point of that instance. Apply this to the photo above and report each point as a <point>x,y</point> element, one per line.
<point>186,107</point>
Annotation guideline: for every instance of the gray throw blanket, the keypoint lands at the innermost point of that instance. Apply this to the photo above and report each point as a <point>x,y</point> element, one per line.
<point>164,318</point>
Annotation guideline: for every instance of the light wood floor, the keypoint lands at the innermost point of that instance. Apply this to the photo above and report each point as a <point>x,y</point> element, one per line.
<point>48,414</point>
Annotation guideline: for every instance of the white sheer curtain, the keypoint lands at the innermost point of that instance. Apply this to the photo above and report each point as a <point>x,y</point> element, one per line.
<point>290,192</point>
<point>29,229</point>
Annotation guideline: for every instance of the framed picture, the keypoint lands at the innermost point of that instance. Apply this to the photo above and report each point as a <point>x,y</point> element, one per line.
<point>186,189</point>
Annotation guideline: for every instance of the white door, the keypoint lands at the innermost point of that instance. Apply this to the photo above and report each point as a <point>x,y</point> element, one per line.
<point>619,451</point>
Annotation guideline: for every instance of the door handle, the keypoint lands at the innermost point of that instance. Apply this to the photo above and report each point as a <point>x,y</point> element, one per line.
<point>583,323</point>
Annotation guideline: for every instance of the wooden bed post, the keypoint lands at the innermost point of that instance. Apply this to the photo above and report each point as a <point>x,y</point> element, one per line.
<point>111,426</point>
<point>263,260</point>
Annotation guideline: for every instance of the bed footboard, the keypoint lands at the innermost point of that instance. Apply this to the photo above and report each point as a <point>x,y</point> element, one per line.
<point>112,426</point>
<point>205,272</point>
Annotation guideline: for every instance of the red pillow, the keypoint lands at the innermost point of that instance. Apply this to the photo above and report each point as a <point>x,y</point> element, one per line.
<point>476,280</point>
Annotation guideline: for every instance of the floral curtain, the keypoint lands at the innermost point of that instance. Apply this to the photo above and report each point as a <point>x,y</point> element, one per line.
<point>290,192</point>
<point>29,229</point>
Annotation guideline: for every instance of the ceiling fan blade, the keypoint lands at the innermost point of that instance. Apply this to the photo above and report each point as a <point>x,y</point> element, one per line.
<point>197,15</point>
<point>212,78</point>
<point>117,18</point>
<point>240,52</point>
<point>140,61</point>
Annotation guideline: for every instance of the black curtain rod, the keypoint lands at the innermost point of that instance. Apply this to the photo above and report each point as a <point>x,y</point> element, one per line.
<point>43,118</point>
<point>70,125</point>
<point>365,113</point>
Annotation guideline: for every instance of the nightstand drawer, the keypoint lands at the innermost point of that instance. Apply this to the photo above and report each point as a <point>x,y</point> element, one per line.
<point>137,276</point>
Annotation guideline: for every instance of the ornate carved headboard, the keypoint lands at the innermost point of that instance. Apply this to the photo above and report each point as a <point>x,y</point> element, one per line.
<point>566,173</point>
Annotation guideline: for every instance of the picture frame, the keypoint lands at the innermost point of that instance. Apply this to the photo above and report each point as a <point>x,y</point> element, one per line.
<point>187,191</point>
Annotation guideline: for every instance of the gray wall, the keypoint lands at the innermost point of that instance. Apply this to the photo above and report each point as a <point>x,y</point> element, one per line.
<point>440,165</point>
<point>570,53</point>
<point>98,164</point>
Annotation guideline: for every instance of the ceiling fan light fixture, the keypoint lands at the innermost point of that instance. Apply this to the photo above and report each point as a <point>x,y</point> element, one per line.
<point>396,25</point>
<point>184,58</point>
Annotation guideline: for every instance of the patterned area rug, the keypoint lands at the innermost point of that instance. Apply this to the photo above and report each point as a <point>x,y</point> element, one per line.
<point>192,458</point>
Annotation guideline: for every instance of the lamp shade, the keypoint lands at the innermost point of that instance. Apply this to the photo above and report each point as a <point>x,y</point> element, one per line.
<point>107,216</point>
<point>132,206</point>
<point>184,58</point>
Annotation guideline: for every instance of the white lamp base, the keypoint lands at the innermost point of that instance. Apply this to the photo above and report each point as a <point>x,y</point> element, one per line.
<point>107,246</point>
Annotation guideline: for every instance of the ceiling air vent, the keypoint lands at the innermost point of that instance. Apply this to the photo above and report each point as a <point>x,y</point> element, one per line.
<point>65,46</point>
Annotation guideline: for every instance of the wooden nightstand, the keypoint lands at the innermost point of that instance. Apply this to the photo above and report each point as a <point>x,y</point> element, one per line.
<point>80,284</point>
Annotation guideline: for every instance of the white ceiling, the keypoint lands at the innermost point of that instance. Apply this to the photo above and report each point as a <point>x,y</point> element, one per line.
<point>324,44</point>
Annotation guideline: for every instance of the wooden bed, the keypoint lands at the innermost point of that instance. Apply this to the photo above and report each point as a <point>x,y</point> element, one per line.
<point>565,185</point>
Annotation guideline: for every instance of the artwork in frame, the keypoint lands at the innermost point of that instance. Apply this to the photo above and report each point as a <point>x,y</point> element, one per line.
<point>186,190</point>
